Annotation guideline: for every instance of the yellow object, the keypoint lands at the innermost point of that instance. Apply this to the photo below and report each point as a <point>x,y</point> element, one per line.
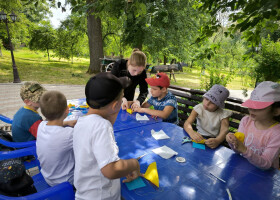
<point>85,106</point>
<point>129,111</point>
<point>200,142</point>
<point>240,136</point>
<point>71,105</point>
<point>152,174</point>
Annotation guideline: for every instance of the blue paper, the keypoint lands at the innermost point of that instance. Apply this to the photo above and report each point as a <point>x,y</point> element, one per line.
<point>198,146</point>
<point>137,183</point>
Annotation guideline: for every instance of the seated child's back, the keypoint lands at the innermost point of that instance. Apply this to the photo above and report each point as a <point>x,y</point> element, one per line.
<point>54,142</point>
<point>26,120</point>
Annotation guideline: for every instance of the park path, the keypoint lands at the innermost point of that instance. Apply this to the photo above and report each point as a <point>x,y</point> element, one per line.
<point>10,100</point>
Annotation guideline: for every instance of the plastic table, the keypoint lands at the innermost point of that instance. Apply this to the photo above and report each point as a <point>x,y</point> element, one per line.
<point>193,179</point>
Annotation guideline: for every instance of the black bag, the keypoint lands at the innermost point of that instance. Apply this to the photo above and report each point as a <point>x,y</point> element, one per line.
<point>14,181</point>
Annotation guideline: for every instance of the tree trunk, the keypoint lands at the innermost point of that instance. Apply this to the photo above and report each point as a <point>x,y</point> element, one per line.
<point>164,60</point>
<point>95,40</point>
<point>48,54</point>
<point>1,52</point>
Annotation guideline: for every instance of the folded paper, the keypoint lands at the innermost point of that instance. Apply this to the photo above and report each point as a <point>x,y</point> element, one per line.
<point>152,174</point>
<point>160,135</point>
<point>165,152</point>
<point>141,118</point>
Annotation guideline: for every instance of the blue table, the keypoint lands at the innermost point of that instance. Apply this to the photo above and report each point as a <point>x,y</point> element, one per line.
<point>124,120</point>
<point>192,179</point>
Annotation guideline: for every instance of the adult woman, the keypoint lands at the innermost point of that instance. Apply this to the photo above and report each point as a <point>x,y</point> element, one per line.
<point>133,68</point>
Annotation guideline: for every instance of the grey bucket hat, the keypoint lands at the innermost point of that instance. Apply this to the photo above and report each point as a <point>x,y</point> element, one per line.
<point>217,95</point>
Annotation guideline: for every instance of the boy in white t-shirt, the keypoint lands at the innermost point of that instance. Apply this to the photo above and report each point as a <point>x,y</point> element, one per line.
<point>212,120</point>
<point>97,164</point>
<point>54,144</point>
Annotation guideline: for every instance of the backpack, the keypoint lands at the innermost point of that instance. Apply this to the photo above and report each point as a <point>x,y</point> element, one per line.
<point>14,181</point>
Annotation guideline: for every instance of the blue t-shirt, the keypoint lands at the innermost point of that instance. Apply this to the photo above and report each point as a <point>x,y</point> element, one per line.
<point>168,100</point>
<point>25,121</point>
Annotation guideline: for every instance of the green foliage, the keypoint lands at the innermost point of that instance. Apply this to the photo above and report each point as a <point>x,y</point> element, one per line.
<point>268,61</point>
<point>43,37</point>
<point>245,16</point>
<point>71,38</point>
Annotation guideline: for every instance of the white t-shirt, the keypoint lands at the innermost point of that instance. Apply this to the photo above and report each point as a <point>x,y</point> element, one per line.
<point>94,147</point>
<point>209,123</point>
<point>54,146</point>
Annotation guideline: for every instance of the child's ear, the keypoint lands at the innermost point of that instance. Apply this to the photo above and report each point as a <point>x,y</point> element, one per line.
<point>276,112</point>
<point>27,102</point>
<point>67,110</point>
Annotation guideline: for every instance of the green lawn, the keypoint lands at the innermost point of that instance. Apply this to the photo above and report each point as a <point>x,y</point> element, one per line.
<point>36,67</point>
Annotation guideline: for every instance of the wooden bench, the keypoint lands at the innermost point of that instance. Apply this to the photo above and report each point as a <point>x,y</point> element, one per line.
<point>188,98</point>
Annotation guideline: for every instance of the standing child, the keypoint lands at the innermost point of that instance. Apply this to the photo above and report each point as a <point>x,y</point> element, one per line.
<point>54,144</point>
<point>212,120</point>
<point>97,164</point>
<point>26,120</point>
<point>164,102</point>
<point>261,128</point>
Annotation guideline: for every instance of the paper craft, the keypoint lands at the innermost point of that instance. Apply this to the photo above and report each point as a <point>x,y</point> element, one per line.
<point>240,136</point>
<point>198,146</point>
<point>129,111</point>
<point>165,152</point>
<point>152,174</point>
<point>160,135</point>
<point>186,139</point>
<point>141,118</point>
<point>200,142</point>
<point>137,183</point>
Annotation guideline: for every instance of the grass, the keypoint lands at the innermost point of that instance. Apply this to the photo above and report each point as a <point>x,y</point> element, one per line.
<point>34,66</point>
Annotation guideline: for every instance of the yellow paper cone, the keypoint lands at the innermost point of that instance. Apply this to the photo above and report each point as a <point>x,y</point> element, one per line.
<point>152,174</point>
<point>240,136</point>
<point>129,111</point>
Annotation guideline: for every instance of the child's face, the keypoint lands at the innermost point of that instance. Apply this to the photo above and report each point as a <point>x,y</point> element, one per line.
<point>135,70</point>
<point>208,105</point>
<point>261,114</point>
<point>156,91</point>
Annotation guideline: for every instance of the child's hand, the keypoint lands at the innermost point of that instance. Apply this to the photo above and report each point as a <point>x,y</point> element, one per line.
<point>135,104</point>
<point>196,136</point>
<point>140,110</point>
<point>133,175</point>
<point>124,104</point>
<point>238,146</point>
<point>212,142</point>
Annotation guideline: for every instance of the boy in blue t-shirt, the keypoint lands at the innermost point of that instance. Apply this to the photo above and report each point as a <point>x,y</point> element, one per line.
<point>164,102</point>
<point>26,120</point>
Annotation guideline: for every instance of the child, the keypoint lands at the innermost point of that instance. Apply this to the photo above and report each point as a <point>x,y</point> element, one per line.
<point>54,144</point>
<point>212,119</point>
<point>26,120</point>
<point>97,164</point>
<point>261,128</point>
<point>165,104</point>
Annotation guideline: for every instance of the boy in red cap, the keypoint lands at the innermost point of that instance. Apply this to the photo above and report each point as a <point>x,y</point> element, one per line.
<point>164,102</point>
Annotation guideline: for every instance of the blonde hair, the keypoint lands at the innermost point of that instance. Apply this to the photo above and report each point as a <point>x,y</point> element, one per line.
<point>137,58</point>
<point>53,105</point>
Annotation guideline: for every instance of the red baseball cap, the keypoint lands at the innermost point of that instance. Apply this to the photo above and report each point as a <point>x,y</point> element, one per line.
<point>160,79</point>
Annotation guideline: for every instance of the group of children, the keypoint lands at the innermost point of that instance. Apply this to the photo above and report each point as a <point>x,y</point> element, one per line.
<point>87,155</point>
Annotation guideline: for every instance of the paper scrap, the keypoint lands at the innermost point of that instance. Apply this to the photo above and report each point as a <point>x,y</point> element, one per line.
<point>141,118</point>
<point>165,152</point>
<point>198,146</point>
<point>137,183</point>
<point>160,135</point>
<point>151,174</point>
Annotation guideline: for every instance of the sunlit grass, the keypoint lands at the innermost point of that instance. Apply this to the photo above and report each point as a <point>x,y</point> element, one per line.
<point>34,66</point>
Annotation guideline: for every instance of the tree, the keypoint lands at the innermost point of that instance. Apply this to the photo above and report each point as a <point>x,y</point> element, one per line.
<point>249,17</point>
<point>43,38</point>
<point>71,37</point>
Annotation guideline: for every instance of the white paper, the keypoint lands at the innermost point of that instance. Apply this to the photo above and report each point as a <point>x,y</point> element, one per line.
<point>141,118</point>
<point>165,152</point>
<point>160,135</point>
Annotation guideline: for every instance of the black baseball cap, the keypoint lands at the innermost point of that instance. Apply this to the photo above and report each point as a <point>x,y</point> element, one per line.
<point>103,88</point>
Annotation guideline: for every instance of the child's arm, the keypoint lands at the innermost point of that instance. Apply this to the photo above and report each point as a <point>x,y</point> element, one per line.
<point>214,142</point>
<point>188,127</point>
<point>160,113</point>
<point>71,123</point>
<point>121,168</point>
